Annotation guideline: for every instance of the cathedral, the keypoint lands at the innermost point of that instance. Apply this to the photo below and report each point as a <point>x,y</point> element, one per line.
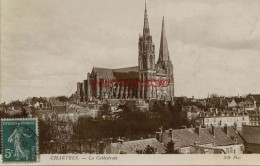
<point>96,84</point>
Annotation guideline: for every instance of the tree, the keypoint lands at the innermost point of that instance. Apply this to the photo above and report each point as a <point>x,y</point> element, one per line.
<point>127,110</point>
<point>170,148</point>
<point>161,114</point>
<point>45,136</point>
<point>63,98</point>
<point>149,150</point>
<point>105,111</point>
<point>24,114</point>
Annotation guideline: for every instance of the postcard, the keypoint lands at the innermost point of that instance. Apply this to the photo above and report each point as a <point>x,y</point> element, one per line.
<point>130,82</point>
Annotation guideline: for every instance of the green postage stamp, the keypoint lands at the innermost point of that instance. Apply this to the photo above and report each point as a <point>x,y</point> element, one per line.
<point>19,140</point>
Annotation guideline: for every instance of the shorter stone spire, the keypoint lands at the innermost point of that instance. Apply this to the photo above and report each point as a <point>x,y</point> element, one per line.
<point>164,52</point>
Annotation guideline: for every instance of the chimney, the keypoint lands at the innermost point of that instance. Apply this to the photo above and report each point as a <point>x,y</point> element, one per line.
<point>197,130</point>
<point>119,140</point>
<point>213,130</point>
<point>161,129</point>
<point>159,136</point>
<point>226,129</point>
<point>170,132</point>
<point>110,140</point>
<point>235,127</point>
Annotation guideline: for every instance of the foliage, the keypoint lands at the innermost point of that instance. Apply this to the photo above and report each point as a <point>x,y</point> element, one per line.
<point>170,148</point>
<point>45,135</point>
<point>149,150</point>
<point>105,111</point>
<point>130,123</point>
<point>62,98</point>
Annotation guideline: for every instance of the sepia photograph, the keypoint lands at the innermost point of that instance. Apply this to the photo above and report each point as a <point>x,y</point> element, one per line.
<point>121,82</point>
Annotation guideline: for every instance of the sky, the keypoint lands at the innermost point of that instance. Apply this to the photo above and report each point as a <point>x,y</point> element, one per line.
<point>47,46</point>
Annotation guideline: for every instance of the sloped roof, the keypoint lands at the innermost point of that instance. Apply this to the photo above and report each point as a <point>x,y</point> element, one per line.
<point>104,72</point>
<point>187,137</point>
<point>120,73</point>
<point>126,69</point>
<point>130,147</point>
<point>251,134</point>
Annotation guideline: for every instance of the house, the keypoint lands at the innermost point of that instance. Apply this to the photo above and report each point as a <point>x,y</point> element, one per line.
<point>227,139</point>
<point>255,98</point>
<point>254,118</point>
<point>37,105</point>
<point>251,136</point>
<point>134,147</point>
<point>223,118</point>
<point>55,104</point>
<point>247,106</point>
<point>114,103</point>
<point>201,149</point>
<point>232,104</point>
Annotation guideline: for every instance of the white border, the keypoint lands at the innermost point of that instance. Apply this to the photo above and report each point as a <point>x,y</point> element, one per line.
<point>153,159</point>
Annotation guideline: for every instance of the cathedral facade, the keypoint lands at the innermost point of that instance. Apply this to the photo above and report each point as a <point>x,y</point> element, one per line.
<point>143,81</point>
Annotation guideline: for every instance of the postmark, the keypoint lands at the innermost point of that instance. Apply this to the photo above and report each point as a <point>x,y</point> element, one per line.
<point>19,140</point>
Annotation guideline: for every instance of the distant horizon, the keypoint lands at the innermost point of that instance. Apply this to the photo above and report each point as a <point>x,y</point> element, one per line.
<point>230,96</point>
<point>47,47</point>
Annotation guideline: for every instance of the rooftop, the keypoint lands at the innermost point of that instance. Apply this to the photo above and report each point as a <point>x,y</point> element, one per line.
<point>187,137</point>
<point>130,147</point>
<point>251,134</point>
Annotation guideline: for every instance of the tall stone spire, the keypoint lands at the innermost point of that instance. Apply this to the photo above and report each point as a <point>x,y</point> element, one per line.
<point>164,52</point>
<point>146,30</point>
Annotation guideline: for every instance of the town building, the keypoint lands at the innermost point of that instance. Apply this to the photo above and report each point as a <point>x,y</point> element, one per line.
<point>135,147</point>
<point>211,140</point>
<point>254,118</point>
<point>137,82</point>
<point>228,118</point>
<point>232,104</point>
<point>247,106</point>
<point>255,99</point>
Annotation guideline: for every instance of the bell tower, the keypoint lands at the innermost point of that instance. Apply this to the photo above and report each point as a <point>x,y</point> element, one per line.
<point>164,63</point>
<point>146,58</point>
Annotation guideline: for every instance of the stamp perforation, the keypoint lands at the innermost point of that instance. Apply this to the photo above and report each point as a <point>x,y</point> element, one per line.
<point>36,135</point>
